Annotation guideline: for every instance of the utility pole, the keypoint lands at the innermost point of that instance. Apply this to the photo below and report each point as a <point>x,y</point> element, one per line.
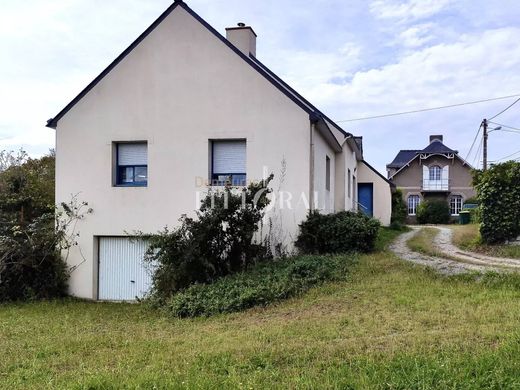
<point>484,144</point>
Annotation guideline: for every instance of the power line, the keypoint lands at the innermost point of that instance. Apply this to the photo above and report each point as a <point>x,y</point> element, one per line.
<point>474,140</point>
<point>429,109</point>
<point>509,127</point>
<point>505,109</point>
<point>509,155</point>
<point>476,159</point>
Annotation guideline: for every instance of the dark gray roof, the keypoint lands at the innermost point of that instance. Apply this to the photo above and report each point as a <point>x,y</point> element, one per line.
<point>437,146</point>
<point>404,156</point>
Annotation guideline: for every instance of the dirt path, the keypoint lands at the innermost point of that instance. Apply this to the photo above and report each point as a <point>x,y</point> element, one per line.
<point>442,265</point>
<point>443,242</point>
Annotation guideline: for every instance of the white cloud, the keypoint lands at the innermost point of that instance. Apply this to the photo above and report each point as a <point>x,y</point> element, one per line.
<point>416,36</point>
<point>474,67</point>
<point>407,10</point>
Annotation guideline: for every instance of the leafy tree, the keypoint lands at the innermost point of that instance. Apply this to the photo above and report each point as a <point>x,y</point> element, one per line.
<point>218,242</point>
<point>32,235</point>
<point>399,209</point>
<point>498,192</point>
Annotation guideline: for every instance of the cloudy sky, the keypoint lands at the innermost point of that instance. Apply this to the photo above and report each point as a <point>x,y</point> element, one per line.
<point>352,59</point>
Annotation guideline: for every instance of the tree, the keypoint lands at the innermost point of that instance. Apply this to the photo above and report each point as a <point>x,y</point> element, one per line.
<point>498,191</point>
<point>32,234</point>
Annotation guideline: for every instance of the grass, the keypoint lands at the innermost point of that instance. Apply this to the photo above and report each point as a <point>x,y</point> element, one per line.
<point>467,237</point>
<point>389,325</point>
<point>422,242</point>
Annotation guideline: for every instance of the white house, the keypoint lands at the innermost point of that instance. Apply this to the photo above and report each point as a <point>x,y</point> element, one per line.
<point>182,107</point>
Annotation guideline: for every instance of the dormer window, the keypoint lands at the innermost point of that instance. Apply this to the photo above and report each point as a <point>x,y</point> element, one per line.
<point>435,172</point>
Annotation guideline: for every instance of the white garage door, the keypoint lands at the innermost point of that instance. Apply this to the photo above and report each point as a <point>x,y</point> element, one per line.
<point>123,274</point>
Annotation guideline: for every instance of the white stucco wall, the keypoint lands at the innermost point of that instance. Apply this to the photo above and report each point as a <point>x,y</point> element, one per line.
<point>382,193</point>
<point>176,90</point>
<point>324,198</point>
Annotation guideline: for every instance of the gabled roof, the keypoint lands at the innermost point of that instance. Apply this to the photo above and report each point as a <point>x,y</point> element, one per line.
<point>405,156</point>
<point>378,173</point>
<point>436,146</point>
<point>314,113</point>
<point>402,158</point>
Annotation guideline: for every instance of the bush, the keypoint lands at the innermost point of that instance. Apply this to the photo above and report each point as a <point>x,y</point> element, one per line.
<point>217,243</point>
<point>31,266</point>
<point>261,285</point>
<point>433,211</point>
<point>31,239</point>
<point>341,232</point>
<point>399,210</point>
<point>498,191</point>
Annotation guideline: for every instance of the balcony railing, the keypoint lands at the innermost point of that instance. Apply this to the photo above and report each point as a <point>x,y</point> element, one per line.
<point>436,185</point>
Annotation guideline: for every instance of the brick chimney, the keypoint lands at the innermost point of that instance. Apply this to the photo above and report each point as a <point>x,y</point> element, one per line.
<point>437,137</point>
<point>243,37</point>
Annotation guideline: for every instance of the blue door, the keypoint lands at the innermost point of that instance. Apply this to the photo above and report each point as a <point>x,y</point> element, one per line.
<point>366,198</point>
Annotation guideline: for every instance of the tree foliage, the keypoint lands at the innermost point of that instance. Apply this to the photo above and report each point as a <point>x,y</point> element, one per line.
<point>218,242</point>
<point>399,209</point>
<point>433,211</point>
<point>498,192</point>
<point>31,237</point>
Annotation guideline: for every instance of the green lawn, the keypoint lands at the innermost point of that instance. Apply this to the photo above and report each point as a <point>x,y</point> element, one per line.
<point>390,325</point>
<point>468,237</point>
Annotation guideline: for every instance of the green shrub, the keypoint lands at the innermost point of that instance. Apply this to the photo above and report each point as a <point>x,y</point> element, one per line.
<point>498,191</point>
<point>341,232</point>
<point>399,210</point>
<point>261,285</point>
<point>217,243</point>
<point>433,211</point>
<point>31,238</point>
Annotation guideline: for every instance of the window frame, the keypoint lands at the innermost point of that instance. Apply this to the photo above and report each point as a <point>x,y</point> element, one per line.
<point>349,185</point>
<point>456,197</point>
<point>213,176</point>
<point>118,168</point>
<point>435,173</point>
<point>327,173</point>
<point>414,205</point>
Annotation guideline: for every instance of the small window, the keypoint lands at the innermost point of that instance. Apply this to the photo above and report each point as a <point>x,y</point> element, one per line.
<point>132,164</point>
<point>228,163</point>
<point>327,173</point>
<point>455,204</point>
<point>435,172</point>
<point>413,202</point>
<point>349,180</point>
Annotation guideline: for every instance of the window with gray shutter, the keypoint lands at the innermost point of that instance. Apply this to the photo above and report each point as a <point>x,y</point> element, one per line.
<point>228,162</point>
<point>132,164</point>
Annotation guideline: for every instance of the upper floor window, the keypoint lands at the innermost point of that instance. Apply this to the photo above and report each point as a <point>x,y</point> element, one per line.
<point>413,202</point>
<point>349,186</point>
<point>435,172</point>
<point>132,164</point>
<point>228,162</point>
<point>327,173</point>
<point>455,204</point>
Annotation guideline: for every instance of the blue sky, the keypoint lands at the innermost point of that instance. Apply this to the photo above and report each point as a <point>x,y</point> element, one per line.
<point>351,59</point>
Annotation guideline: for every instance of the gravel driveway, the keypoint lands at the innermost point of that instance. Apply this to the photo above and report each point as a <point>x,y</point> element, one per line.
<point>442,265</point>
<point>443,242</point>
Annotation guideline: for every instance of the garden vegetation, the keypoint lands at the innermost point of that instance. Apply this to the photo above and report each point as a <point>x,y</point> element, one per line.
<point>498,191</point>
